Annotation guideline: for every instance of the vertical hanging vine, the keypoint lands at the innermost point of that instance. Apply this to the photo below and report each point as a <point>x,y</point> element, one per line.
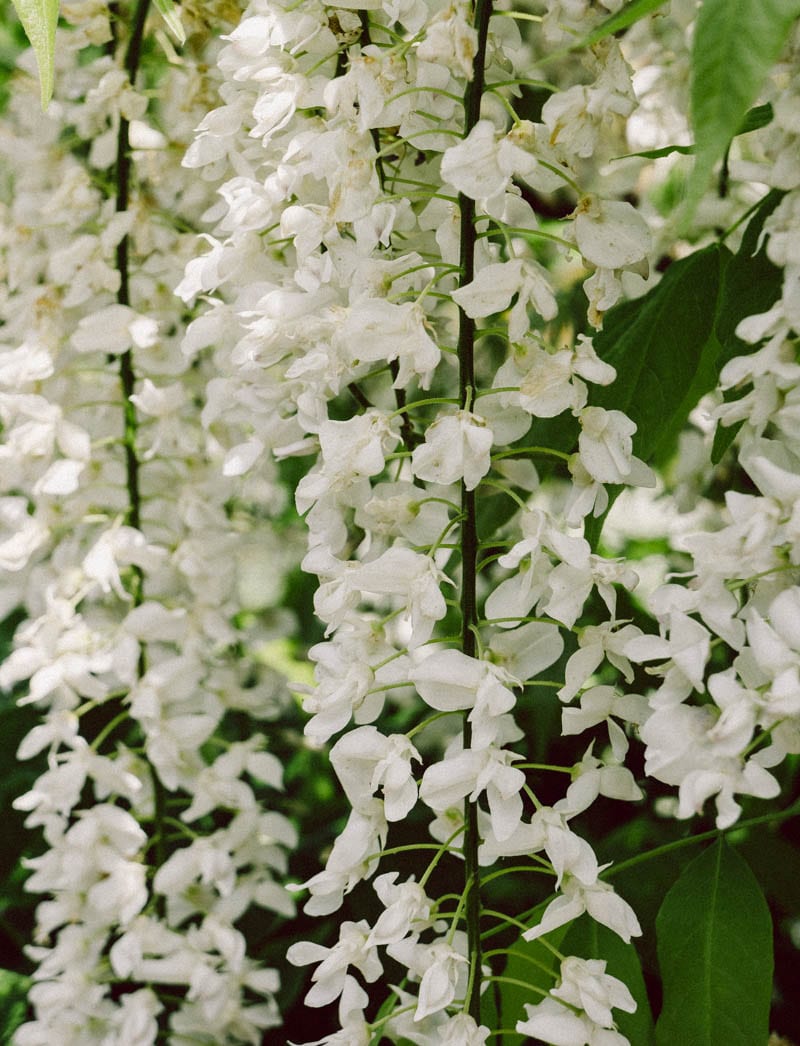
<point>469,523</point>
<point>133,53</point>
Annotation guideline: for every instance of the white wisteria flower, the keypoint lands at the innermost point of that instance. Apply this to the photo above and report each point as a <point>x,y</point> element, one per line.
<point>457,447</point>
<point>331,977</point>
<point>471,772</point>
<point>365,760</point>
<point>598,898</point>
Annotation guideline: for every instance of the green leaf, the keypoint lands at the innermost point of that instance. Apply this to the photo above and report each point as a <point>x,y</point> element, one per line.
<point>645,885</point>
<point>590,940</point>
<point>665,352</point>
<point>629,14</point>
<point>715,951</point>
<point>656,154</point>
<point>776,864</point>
<point>669,346</point>
<point>39,18</point>
<point>757,118</point>
<point>387,1006</point>
<point>736,43</point>
<point>750,285</point>
<point>166,8</point>
<point>724,435</point>
<point>13,1005</point>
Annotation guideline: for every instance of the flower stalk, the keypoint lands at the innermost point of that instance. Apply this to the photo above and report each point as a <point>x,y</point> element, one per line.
<point>126,370</point>
<point>469,524</point>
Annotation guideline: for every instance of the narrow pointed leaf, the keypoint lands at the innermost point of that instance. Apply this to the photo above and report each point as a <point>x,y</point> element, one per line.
<point>168,11</point>
<point>629,14</point>
<point>754,120</point>
<point>39,18</point>
<point>656,154</point>
<point>715,952</point>
<point>751,283</point>
<point>736,43</point>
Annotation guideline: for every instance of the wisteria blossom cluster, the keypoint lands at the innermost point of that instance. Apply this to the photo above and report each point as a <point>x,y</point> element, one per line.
<point>416,220</point>
<point>133,560</point>
<point>373,234</point>
<point>378,281</point>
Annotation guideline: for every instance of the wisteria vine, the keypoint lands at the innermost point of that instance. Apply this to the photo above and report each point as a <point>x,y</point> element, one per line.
<point>443,303</point>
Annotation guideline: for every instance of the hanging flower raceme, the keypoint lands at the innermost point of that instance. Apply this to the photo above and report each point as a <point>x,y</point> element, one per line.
<point>157,839</point>
<point>386,196</point>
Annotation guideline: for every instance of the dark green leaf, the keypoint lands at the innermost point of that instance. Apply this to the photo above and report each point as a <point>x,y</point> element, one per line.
<point>715,951</point>
<point>645,885</point>
<point>656,154</point>
<point>736,43</point>
<point>387,1006</point>
<point>757,118</point>
<point>593,525</point>
<point>723,438</point>
<point>13,1004</point>
<point>590,940</point>
<point>665,352</point>
<point>750,285</point>
<point>8,627</point>
<point>776,863</point>
<point>16,778</point>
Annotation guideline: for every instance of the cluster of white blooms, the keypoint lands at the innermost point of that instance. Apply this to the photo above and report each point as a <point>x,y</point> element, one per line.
<point>133,560</point>
<point>376,304</point>
<point>742,599</point>
<point>376,229</point>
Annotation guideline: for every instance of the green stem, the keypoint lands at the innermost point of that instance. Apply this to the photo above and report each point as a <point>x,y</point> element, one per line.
<point>713,833</point>
<point>517,452</point>
<point>504,489</point>
<point>506,920</point>
<point>426,722</point>
<point>520,955</point>
<point>126,372</point>
<point>519,984</point>
<point>443,849</point>
<point>469,528</point>
<point>127,375</point>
